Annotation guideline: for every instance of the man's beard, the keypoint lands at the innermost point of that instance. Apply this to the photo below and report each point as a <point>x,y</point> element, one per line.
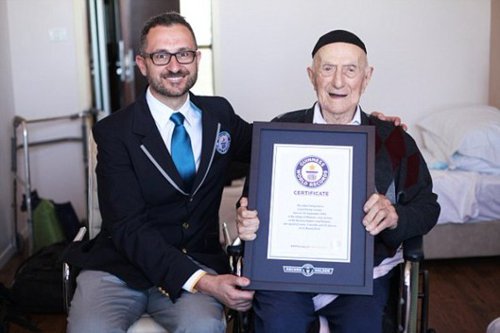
<point>158,86</point>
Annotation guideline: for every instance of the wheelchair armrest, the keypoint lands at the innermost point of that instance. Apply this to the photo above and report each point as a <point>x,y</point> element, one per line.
<point>413,249</point>
<point>80,234</point>
<point>235,250</point>
<point>235,253</point>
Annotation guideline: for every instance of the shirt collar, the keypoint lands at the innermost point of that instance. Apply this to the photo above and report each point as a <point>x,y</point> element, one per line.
<point>161,113</point>
<point>318,117</point>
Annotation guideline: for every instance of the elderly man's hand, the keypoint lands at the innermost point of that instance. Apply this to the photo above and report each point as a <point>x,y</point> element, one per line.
<point>380,214</point>
<point>247,221</point>
<point>394,119</point>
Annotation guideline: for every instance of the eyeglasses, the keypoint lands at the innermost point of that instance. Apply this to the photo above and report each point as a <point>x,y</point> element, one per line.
<point>162,58</point>
<point>350,71</point>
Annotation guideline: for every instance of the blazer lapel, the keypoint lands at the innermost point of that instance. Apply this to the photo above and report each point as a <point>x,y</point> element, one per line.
<point>211,128</point>
<point>153,146</point>
<point>309,115</point>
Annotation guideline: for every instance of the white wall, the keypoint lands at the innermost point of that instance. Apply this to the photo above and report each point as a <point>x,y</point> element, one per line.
<point>494,96</point>
<point>44,50</point>
<point>427,54</point>
<point>6,113</point>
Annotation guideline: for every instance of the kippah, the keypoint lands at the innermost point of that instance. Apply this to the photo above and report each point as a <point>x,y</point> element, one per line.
<point>338,36</point>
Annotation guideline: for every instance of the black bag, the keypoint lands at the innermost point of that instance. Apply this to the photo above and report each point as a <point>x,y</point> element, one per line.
<point>38,282</point>
<point>68,219</point>
<point>11,314</point>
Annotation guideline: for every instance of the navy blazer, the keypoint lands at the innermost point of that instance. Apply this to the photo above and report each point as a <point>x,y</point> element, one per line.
<point>151,224</point>
<point>401,174</point>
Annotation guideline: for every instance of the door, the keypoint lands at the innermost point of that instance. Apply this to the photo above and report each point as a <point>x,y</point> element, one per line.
<point>115,27</point>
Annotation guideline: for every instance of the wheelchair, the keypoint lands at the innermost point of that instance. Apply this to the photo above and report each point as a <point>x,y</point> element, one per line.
<point>408,307</point>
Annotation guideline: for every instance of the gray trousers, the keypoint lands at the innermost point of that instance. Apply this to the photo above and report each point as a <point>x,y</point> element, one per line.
<point>103,303</point>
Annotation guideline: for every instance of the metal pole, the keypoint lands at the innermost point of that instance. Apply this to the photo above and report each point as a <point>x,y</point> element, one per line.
<point>13,168</point>
<point>27,186</point>
<point>102,58</point>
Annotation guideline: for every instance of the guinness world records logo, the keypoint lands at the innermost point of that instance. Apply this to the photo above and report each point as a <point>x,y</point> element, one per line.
<point>312,171</point>
<point>223,142</point>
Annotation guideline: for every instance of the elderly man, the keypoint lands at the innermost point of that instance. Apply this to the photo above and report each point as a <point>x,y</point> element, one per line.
<point>403,207</point>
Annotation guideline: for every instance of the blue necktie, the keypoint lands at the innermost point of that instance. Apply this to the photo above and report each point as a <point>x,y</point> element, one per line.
<point>181,151</point>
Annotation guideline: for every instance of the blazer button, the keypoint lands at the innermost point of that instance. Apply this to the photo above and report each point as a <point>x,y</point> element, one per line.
<point>163,292</point>
<point>184,250</point>
<point>185,225</point>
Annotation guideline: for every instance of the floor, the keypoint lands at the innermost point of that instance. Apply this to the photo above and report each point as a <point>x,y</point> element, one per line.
<point>464,296</point>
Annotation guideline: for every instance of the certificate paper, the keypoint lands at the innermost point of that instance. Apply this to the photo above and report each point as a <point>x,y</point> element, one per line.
<point>311,195</point>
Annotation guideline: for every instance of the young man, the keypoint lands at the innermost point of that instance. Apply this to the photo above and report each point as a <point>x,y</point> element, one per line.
<point>158,251</point>
<point>403,207</point>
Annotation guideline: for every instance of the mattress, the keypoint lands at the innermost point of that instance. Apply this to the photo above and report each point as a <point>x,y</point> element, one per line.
<point>466,196</point>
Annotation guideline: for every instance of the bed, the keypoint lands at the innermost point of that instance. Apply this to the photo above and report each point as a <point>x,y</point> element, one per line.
<point>462,148</point>
<point>469,223</point>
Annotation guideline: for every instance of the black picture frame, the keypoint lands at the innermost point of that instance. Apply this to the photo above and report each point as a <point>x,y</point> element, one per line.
<point>354,276</point>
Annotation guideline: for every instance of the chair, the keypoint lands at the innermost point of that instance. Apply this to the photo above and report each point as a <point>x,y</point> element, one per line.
<point>145,324</point>
<point>407,311</point>
<point>411,296</point>
<point>408,308</point>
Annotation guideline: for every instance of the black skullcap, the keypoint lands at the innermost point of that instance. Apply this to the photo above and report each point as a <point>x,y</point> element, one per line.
<point>338,36</point>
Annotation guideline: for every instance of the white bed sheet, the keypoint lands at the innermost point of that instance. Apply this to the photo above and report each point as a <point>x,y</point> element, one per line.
<point>466,196</point>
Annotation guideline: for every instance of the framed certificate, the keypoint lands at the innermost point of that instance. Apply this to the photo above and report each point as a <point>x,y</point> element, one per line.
<point>309,184</point>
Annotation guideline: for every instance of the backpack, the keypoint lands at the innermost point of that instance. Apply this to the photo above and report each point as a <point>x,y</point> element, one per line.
<point>38,281</point>
<point>11,314</point>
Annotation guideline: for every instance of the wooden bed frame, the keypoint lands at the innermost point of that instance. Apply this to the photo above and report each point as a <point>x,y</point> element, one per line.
<point>461,240</point>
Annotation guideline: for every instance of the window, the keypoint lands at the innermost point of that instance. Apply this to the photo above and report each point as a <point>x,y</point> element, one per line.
<point>199,14</point>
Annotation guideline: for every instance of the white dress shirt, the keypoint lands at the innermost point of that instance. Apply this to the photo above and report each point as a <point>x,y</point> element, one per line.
<point>192,122</point>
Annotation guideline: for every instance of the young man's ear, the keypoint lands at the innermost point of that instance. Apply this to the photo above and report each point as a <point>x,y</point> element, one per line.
<point>141,63</point>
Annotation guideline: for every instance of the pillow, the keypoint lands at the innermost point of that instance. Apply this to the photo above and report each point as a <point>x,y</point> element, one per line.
<point>431,161</point>
<point>467,163</point>
<point>472,131</point>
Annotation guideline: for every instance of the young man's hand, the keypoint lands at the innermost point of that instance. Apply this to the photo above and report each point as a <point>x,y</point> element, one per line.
<point>227,289</point>
<point>394,119</point>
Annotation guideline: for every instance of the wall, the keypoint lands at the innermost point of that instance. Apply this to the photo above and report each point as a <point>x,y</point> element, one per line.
<point>427,54</point>
<point>6,113</point>
<point>46,54</point>
<point>495,54</point>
